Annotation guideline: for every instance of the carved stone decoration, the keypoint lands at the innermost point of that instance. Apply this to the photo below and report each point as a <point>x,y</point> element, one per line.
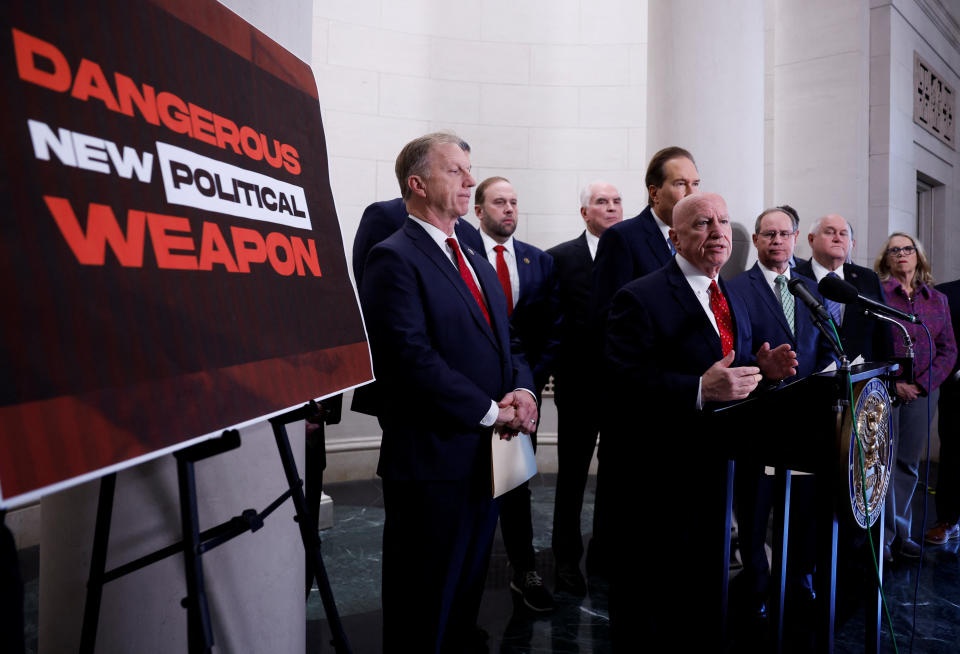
<point>934,102</point>
<point>868,486</point>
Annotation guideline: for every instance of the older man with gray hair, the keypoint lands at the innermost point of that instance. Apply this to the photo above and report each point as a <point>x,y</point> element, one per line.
<point>576,377</point>
<point>830,238</point>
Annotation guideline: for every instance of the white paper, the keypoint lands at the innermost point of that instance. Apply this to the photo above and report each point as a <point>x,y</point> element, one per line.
<point>513,462</point>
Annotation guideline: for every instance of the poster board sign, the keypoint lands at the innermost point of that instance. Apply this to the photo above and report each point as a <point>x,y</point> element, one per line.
<point>171,258</point>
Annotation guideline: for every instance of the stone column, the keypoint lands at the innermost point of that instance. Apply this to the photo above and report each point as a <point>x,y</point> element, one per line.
<point>705,92</point>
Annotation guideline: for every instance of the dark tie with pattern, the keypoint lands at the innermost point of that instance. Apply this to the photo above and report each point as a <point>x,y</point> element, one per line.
<point>835,308</point>
<point>468,277</point>
<point>721,311</point>
<point>503,273</point>
<point>786,301</point>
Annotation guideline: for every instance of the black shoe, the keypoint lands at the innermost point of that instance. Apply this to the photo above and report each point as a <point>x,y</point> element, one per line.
<point>909,548</point>
<point>570,580</point>
<point>529,586</point>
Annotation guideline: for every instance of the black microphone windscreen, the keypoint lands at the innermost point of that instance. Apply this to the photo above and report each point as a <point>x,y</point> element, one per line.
<point>838,290</point>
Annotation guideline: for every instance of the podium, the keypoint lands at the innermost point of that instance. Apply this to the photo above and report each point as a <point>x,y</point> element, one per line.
<point>808,426</point>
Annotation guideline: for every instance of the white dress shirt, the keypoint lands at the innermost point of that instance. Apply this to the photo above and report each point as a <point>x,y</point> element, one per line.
<point>664,229</point>
<point>592,243</point>
<point>509,256</point>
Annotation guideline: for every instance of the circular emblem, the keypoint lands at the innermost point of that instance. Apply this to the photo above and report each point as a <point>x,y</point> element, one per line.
<point>868,486</point>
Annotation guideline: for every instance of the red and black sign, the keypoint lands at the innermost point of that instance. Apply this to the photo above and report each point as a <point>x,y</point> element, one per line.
<point>170,256</point>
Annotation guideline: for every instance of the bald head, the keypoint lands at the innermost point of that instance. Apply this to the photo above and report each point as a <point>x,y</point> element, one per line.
<point>701,231</point>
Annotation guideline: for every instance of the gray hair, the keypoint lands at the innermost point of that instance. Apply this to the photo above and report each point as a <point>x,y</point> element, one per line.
<point>586,193</point>
<point>415,155</point>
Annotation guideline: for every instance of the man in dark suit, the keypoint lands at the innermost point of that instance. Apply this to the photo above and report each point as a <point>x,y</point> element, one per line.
<point>776,317</point>
<point>576,381</point>
<point>678,343</point>
<point>831,242</point>
<point>440,338</point>
<point>380,220</point>
<point>530,285</point>
<point>637,247</point>
<point>948,471</point>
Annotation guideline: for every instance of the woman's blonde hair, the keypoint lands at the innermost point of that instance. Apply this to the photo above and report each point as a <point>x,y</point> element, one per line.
<point>922,273</point>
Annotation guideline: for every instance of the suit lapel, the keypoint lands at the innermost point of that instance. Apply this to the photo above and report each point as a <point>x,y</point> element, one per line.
<point>446,267</point>
<point>770,299</point>
<point>688,301</point>
<point>654,239</point>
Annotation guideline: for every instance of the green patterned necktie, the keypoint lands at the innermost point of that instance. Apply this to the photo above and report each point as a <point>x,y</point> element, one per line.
<point>786,300</point>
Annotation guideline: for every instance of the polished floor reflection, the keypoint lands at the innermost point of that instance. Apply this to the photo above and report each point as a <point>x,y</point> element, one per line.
<point>351,551</point>
<point>352,555</point>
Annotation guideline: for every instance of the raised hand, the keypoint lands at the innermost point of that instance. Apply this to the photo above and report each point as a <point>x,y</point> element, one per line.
<point>721,383</point>
<point>778,363</point>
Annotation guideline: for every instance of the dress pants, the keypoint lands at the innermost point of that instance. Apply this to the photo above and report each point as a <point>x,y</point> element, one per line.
<point>948,472</point>
<point>910,423</point>
<point>577,431</point>
<point>436,549</point>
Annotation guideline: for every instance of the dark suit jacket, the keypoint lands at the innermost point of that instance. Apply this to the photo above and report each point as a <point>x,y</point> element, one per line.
<point>437,361</point>
<point>536,317</point>
<point>627,251</point>
<point>859,334</point>
<point>575,366</point>
<point>380,220</point>
<point>768,323</point>
<point>659,343</point>
<point>952,291</point>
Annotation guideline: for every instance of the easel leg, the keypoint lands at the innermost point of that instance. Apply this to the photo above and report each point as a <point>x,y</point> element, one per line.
<point>98,564</point>
<point>311,540</point>
<point>199,631</point>
<point>826,565</point>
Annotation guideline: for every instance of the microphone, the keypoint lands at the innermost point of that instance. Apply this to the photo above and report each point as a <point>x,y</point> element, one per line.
<point>838,290</point>
<point>799,289</point>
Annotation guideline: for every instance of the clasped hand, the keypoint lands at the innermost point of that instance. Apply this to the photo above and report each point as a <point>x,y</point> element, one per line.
<point>518,413</point>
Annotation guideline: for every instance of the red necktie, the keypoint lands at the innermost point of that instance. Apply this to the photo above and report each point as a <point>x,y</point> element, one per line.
<point>468,277</point>
<point>503,273</point>
<point>721,311</point>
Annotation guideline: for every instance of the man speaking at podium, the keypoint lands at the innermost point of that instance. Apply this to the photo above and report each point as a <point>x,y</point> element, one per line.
<point>677,343</point>
<point>437,323</point>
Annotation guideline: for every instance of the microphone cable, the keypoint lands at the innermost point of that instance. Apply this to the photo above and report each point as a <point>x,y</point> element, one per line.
<point>926,486</point>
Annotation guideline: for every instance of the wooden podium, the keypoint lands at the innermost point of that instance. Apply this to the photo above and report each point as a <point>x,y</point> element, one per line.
<point>806,426</point>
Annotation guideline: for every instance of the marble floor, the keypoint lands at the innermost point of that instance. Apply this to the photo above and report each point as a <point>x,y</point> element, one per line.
<point>351,551</point>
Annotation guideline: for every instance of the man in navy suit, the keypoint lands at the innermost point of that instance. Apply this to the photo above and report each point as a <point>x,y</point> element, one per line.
<point>437,323</point>
<point>530,286</point>
<point>576,387</point>
<point>831,240</point>
<point>678,343</point>
<point>637,247</point>
<point>380,220</point>
<point>776,317</point>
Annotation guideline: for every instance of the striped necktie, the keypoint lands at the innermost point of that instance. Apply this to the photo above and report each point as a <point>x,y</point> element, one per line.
<point>786,301</point>
<point>835,308</point>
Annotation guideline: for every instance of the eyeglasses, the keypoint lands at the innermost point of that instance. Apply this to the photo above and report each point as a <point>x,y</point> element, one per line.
<point>907,249</point>
<point>772,234</point>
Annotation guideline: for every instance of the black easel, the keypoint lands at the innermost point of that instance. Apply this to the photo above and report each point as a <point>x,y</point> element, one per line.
<point>195,543</point>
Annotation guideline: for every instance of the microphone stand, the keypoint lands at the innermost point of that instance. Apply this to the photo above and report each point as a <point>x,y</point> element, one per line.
<point>905,361</point>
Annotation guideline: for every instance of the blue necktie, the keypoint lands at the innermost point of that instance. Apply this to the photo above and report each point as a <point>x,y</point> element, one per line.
<point>835,308</point>
<point>673,250</point>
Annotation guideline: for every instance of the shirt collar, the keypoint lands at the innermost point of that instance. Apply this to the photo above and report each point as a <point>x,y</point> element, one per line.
<point>771,275</point>
<point>695,277</point>
<point>662,226</point>
<point>489,243</point>
<point>592,243</point>
<point>438,235</point>
<point>820,271</point>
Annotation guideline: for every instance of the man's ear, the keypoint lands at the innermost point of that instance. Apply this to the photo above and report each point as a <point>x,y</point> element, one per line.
<point>417,185</point>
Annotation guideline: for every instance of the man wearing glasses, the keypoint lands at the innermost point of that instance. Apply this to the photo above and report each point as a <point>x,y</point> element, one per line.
<point>831,240</point>
<point>776,318</point>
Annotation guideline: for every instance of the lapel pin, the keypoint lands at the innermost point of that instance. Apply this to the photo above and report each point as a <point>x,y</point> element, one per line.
<point>526,260</point>
<point>470,250</point>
